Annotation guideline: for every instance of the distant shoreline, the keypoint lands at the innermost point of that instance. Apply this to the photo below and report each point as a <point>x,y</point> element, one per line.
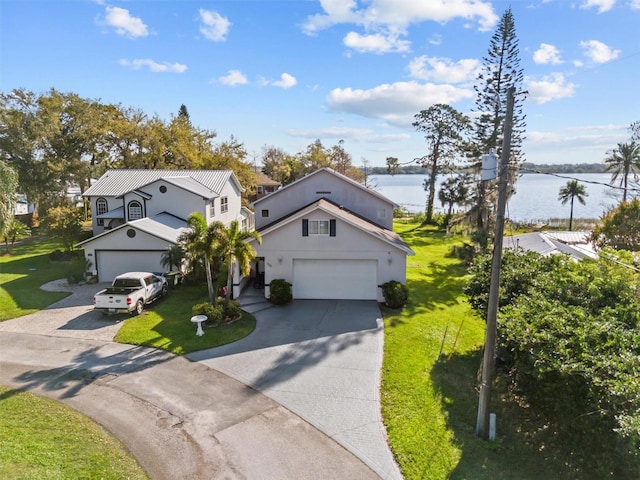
<point>525,168</point>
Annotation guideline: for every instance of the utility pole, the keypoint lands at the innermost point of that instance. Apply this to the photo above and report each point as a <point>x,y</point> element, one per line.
<point>488,361</point>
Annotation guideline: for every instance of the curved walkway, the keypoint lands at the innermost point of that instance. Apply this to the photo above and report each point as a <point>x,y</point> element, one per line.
<point>187,420</point>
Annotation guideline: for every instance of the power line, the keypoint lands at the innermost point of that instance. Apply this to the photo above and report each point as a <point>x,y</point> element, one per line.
<point>593,182</point>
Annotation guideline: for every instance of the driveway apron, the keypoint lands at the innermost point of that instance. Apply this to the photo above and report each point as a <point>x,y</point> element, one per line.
<point>322,360</point>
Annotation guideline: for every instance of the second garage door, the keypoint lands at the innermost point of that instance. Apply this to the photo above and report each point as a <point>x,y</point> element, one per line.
<point>335,279</point>
<point>112,263</point>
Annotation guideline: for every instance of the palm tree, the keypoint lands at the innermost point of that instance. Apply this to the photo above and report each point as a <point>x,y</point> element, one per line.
<point>569,192</point>
<point>200,244</point>
<point>232,245</point>
<point>15,229</point>
<point>454,190</point>
<point>173,257</point>
<point>624,161</point>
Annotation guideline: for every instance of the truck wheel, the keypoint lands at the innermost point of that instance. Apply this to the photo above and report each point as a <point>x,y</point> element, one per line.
<point>139,307</point>
<point>165,290</point>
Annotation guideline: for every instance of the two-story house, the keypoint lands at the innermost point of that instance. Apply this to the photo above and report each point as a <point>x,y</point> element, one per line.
<point>330,237</point>
<point>139,214</point>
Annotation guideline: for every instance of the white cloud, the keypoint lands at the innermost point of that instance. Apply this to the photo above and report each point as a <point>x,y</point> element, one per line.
<point>233,78</point>
<point>601,5</point>
<point>154,66</point>
<point>634,4</point>
<point>599,52</point>
<point>123,23</point>
<point>214,26</point>
<point>399,13</point>
<point>376,43</point>
<point>547,54</point>
<point>551,87</point>
<point>286,81</point>
<point>395,103</point>
<point>444,69</point>
<point>357,134</point>
<point>436,39</point>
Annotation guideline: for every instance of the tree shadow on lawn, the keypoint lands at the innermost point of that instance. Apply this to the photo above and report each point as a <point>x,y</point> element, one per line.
<point>435,287</point>
<point>528,446</point>
<point>291,338</point>
<point>33,272</point>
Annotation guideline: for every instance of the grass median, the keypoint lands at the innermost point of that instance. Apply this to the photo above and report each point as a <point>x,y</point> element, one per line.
<point>43,439</point>
<point>166,324</point>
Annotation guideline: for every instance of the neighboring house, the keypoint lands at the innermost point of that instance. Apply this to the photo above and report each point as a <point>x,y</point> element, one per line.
<point>330,237</point>
<point>574,244</point>
<point>264,186</point>
<point>139,214</point>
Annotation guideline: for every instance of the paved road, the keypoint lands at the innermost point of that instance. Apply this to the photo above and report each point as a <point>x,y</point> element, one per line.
<point>185,419</point>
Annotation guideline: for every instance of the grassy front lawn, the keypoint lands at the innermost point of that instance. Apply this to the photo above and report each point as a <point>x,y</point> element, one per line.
<point>23,272</point>
<point>429,403</point>
<point>167,325</point>
<point>43,439</point>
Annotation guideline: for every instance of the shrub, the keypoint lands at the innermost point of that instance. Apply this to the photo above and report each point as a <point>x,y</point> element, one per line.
<point>233,310</point>
<point>395,294</point>
<point>280,291</point>
<point>465,252</point>
<point>214,313</point>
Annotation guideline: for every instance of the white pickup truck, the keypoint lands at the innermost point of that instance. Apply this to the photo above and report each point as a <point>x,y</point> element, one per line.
<point>130,292</point>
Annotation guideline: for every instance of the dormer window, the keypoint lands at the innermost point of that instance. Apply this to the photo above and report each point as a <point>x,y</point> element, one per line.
<point>134,210</point>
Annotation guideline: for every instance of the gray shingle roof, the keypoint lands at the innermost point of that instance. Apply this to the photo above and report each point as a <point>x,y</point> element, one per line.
<point>118,182</point>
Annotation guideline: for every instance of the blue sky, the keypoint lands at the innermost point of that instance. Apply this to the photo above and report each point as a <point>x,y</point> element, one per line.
<point>284,73</point>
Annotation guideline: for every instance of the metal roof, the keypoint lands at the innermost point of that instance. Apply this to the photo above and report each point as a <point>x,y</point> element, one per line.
<point>115,213</point>
<point>574,244</point>
<point>164,226</point>
<point>192,185</point>
<point>118,182</point>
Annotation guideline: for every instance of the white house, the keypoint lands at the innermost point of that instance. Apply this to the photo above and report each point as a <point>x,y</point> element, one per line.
<point>330,237</point>
<point>139,214</point>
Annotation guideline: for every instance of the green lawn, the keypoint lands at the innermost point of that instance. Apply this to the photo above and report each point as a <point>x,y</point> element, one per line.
<point>23,272</point>
<point>429,402</point>
<point>167,324</point>
<point>43,439</point>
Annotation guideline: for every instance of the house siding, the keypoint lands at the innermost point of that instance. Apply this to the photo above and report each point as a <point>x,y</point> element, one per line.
<point>324,184</point>
<point>280,247</point>
<point>175,200</point>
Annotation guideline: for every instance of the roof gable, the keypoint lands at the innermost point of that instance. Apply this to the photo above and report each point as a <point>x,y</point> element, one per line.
<point>164,226</point>
<point>351,218</point>
<point>325,171</point>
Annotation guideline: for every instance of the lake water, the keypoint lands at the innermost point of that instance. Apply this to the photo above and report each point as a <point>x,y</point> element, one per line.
<point>536,197</point>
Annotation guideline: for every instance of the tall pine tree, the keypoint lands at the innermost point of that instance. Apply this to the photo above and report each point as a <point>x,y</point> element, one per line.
<point>500,71</point>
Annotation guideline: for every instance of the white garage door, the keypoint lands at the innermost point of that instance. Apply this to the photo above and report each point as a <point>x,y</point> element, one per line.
<point>335,279</point>
<point>112,263</point>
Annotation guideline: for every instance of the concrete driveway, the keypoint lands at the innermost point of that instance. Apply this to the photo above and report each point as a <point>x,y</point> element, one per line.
<point>322,360</point>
